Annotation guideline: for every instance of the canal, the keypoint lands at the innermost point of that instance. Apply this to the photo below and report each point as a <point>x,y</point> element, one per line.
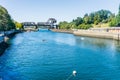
<point>46,55</point>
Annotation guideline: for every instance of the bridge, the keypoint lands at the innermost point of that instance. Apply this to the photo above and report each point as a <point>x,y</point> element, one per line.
<point>50,24</point>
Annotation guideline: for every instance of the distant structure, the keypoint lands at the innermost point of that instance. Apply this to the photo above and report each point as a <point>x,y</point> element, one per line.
<point>50,24</point>
<point>52,21</point>
<point>29,25</point>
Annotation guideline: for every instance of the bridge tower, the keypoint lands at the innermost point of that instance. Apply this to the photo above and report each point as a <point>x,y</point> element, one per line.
<point>51,22</point>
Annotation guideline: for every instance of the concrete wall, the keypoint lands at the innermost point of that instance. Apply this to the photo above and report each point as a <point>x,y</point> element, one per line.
<point>4,40</point>
<point>62,30</point>
<point>93,33</point>
<point>97,34</point>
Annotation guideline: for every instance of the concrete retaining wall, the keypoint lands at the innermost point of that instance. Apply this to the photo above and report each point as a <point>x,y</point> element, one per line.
<point>4,40</point>
<point>92,33</point>
<point>62,30</point>
<point>97,34</point>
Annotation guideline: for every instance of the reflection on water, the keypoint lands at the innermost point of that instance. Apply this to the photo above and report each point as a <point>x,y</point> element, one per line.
<point>31,58</point>
<point>93,42</point>
<point>117,46</point>
<point>65,39</point>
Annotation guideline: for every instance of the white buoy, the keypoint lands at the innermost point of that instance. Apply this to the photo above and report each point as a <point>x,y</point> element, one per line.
<point>74,73</point>
<point>82,38</point>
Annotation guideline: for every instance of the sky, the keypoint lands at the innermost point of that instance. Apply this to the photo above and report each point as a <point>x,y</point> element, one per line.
<point>61,10</point>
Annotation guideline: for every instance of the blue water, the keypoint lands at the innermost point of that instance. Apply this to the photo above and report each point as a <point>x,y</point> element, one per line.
<point>47,55</point>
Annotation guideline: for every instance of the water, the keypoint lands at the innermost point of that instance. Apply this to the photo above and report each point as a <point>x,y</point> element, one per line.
<point>47,55</point>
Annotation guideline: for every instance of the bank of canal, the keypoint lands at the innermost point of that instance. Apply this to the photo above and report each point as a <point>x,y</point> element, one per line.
<point>47,55</point>
<point>4,39</point>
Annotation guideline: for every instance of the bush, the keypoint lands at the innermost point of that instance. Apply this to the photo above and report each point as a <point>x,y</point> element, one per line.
<point>84,26</point>
<point>113,22</point>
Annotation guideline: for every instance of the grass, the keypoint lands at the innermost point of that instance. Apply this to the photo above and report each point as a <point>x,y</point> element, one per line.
<point>101,25</point>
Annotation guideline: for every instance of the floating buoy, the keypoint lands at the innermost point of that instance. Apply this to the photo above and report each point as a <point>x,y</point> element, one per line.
<point>82,38</point>
<point>43,40</point>
<point>74,73</point>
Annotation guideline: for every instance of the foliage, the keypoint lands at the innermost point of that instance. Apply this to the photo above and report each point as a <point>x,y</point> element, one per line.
<point>115,21</point>
<point>118,20</point>
<point>64,25</point>
<point>78,21</point>
<point>6,23</point>
<point>101,16</point>
<point>84,26</point>
<point>18,25</point>
<point>95,18</point>
<point>118,17</point>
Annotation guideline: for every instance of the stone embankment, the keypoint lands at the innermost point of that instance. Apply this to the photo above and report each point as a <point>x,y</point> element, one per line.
<point>107,33</point>
<point>62,30</point>
<point>97,34</point>
<point>4,40</point>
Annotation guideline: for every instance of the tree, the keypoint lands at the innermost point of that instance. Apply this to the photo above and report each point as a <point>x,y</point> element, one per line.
<point>63,25</point>
<point>6,23</point>
<point>84,26</point>
<point>119,10</point>
<point>72,25</point>
<point>118,18</point>
<point>97,18</point>
<point>91,18</point>
<point>86,19</point>
<point>113,22</point>
<point>18,25</point>
<point>78,21</point>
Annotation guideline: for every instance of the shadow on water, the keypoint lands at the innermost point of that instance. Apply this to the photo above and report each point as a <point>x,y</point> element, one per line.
<point>93,42</point>
<point>117,46</point>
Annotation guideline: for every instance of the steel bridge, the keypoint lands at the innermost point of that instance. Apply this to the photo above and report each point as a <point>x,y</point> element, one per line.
<point>50,24</point>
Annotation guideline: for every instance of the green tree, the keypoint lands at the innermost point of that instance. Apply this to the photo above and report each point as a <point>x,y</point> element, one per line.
<point>118,20</point>
<point>64,25</point>
<point>6,23</point>
<point>78,21</point>
<point>72,25</point>
<point>119,10</point>
<point>91,18</point>
<point>18,25</point>
<point>118,17</point>
<point>86,19</point>
<point>84,26</point>
<point>97,19</point>
<point>113,22</point>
